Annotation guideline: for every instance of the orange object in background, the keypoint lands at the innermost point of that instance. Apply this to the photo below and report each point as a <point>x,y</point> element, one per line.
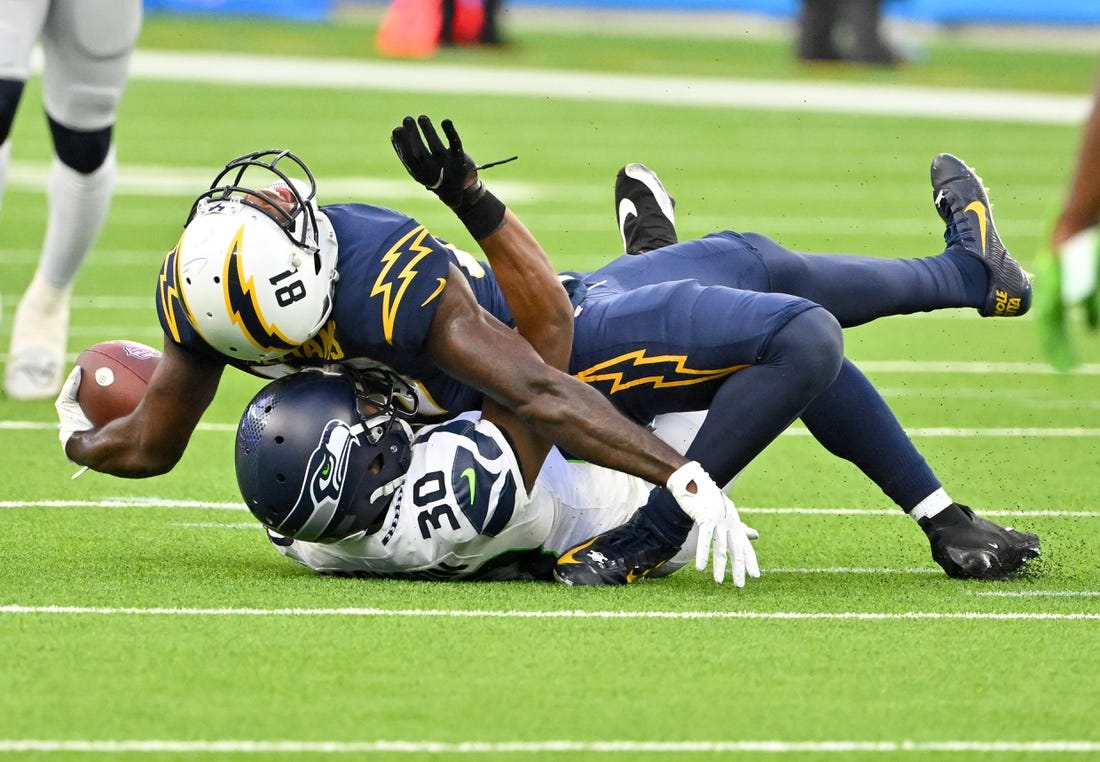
<point>410,29</point>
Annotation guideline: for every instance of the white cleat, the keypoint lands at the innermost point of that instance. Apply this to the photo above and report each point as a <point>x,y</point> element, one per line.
<point>36,359</point>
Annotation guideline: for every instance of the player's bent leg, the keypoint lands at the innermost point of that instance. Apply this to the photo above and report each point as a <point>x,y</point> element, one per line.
<point>752,407</point>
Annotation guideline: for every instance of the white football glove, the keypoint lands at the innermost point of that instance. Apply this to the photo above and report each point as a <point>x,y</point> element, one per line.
<point>721,531</point>
<point>70,415</point>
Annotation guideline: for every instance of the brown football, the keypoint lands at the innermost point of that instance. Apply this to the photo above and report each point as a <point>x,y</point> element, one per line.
<point>113,378</point>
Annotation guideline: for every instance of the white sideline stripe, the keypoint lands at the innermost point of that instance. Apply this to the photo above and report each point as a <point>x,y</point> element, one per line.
<point>574,614</point>
<point>155,502</point>
<point>529,747</point>
<point>452,79</point>
<point>943,432</point>
<point>252,525</point>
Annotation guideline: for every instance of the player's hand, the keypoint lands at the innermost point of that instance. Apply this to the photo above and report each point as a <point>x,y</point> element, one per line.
<point>444,170</point>
<point>70,415</point>
<point>722,534</point>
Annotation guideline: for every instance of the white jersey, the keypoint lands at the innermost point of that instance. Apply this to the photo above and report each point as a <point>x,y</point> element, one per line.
<point>463,512</point>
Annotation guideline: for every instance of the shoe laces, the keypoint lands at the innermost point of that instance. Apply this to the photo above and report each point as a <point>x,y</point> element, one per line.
<point>952,234</point>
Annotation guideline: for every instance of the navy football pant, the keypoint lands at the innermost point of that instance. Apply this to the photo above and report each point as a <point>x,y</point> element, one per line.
<point>849,417</point>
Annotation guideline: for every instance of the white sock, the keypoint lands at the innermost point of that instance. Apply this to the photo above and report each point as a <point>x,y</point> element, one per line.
<point>931,505</point>
<point>78,207</point>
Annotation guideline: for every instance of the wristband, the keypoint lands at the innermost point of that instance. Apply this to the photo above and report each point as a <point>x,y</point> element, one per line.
<point>480,211</point>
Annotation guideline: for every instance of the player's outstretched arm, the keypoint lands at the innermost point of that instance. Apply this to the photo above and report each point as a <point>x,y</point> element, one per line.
<point>151,440</point>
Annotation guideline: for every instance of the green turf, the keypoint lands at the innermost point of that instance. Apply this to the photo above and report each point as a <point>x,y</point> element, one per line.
<point>817,182</point>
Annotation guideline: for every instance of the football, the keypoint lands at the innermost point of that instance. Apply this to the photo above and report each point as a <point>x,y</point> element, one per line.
<point>113,378</point>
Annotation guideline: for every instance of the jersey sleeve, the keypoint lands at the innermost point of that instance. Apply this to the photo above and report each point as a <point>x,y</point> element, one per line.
<point>392,274</point>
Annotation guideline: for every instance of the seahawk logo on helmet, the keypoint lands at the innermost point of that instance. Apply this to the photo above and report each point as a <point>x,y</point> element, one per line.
<point>257,259</point>
<point>319,454</point>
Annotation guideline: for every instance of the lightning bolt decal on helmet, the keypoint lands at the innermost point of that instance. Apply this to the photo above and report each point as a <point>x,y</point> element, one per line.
<point>257,258</point>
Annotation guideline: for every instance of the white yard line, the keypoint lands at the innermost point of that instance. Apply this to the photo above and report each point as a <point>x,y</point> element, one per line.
<point>565,614</point>
<point>794,431</point>
<point>155,502</point>
<point>1038,593</point>
<point>160,746</point>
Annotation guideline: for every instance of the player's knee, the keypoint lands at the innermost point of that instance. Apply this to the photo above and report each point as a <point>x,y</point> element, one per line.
<point>11,90</point>
<point>813,343</point>
<point>81,150</point>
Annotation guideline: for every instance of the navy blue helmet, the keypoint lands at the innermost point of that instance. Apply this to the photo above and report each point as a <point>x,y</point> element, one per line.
<point>320,453</point>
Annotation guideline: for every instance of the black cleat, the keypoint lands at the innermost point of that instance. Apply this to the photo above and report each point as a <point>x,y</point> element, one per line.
<point>619,556</point>
<point>963,205</point>
<point>644,210</point>
<point>970,547</point>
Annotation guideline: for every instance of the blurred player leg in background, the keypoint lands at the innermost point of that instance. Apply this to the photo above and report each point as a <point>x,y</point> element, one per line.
<point>86,46</point>
<point>816,26</point>
<point>844,30</point>
<point>1069,263</point>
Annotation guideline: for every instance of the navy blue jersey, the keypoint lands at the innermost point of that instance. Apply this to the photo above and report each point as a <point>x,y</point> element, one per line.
<point>392,272</point>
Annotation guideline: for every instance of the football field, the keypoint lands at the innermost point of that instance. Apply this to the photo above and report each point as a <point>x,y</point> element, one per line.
<point>151,619</point>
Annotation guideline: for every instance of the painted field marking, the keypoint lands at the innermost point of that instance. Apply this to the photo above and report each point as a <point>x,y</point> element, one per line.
<point>794,431</point>
<point>514,747</point>
<point>156,502</point>
<point>563,614</point>
<point>1037,593</point>
<point>921,102</point>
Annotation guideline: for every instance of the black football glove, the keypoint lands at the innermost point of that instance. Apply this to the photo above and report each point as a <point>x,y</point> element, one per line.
<point>445,171</point>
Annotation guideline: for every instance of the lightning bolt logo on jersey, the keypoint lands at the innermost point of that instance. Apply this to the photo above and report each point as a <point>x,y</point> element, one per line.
<point>660,371</point>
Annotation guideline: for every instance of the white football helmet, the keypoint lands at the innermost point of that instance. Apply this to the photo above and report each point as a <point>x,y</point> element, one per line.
<point>257,262</point>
